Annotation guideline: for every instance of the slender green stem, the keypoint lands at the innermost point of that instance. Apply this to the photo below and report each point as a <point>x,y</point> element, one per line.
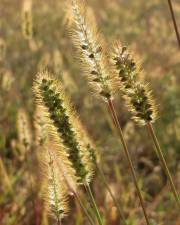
<point>163,162</point>
<point>101,173</point>
<point>93,202</point>
<point>84,209</point>
<point>174,22</point>
<point>58,221</point>
<point>79,201</point>
<point>126,151</point>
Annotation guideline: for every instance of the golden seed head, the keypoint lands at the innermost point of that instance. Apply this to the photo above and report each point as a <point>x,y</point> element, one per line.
<point>50,94</point>
<point>56,194</point>
<point>91,50</point>
<point>24,129</point>
<point>52,136</point>
<point>125,66</point>
<point>141,104</point>
<point>67,171</point>
<point>129,81</point>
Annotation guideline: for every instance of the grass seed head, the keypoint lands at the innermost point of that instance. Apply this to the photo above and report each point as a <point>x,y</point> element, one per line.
<point>141,104</point>
<point>55,194</point>
<point>52,136</point>
<point>50,94</point>
<point>135,91</point>
<point>125,66</point>
<point>91,50</point>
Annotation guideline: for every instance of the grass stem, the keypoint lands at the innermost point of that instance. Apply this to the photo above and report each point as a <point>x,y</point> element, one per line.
<point>174,22</point>
<point>93,202</point>
<point>163,162</point>
<point>84,209</point>
<point>58,221</point>
<point>116,203</point>
<point>126,151</point>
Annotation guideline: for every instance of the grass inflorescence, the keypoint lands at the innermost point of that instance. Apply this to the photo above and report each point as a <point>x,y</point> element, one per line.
<point>136,93</point>
<point>139,100</point>
<point>48,160</point>
<point>56,194</point>
<point>91,50</point>
<point>51,95</point>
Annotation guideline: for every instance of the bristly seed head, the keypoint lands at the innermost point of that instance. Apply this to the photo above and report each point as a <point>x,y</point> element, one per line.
<point>91,50</point>
<point>135,92</point>
<point>56,193</point>
<point>125,66</point>
<point>49,93</point>
<point>141,104</point>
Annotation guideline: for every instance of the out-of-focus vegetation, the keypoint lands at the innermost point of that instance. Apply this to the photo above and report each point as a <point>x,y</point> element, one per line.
<point>146,26</point>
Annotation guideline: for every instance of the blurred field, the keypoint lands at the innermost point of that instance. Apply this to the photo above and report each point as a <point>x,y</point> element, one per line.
<point>146,27</point>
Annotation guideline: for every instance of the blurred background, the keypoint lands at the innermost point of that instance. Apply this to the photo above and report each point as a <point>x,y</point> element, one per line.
<point>146,27</point>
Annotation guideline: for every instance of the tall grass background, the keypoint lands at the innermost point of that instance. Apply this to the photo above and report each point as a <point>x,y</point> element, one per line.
<point>41,40</point>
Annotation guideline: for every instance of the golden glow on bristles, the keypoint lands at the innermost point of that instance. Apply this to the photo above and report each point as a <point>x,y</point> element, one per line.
<point>91,50</point>
<point>73,121</point>
<point>58,147</point>
<point>55,195</point>
<point>129,79</point>
<point>149,114</point>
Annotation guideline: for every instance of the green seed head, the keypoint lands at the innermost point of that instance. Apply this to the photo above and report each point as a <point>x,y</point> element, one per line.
<point>135,92</point>
<point>50,93</point>
<point>141,104</point>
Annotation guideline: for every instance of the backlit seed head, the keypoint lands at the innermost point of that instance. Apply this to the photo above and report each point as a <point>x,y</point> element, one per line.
<point>134,90</point>
<point>92,155</point>
<point>56,195</point>
<point>91,50</point>
<point>141,104</point>
<point>54,141</point>
<point>50,94</point>
<point>68,173</point>
<point>24,129</point>
<point>125,66</point>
